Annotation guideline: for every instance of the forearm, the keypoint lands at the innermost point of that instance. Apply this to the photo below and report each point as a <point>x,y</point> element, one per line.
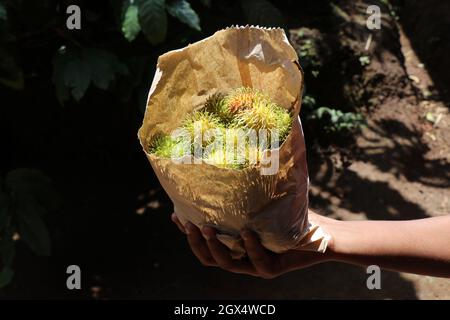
<point>417,246</point>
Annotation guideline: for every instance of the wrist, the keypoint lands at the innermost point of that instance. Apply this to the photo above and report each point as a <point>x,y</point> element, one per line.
<point>330,227</point>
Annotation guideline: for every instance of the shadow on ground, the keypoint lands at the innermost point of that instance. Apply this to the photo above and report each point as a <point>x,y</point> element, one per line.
<point>426,25</point>
<point>405,155</point>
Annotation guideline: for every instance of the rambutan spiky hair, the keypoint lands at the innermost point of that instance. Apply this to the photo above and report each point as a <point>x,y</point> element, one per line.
<point>216,104</point>
<point>249,111</point>
<point>167,147</point>
<point>202,121</point>
<point>243,98</point>
<point>224,158</point>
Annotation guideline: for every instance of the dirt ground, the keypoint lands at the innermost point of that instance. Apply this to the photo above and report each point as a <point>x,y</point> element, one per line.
<point>401,171</point>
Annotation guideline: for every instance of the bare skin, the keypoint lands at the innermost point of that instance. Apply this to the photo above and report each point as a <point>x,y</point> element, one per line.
<point>416,246</point>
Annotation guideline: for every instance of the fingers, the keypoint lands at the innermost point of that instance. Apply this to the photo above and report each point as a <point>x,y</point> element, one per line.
<point>222,256</point>
<point>210,251</point>
<point>196,241</point>
<point>261,260</point>
<point>178,222</point>
<point>198,245</point>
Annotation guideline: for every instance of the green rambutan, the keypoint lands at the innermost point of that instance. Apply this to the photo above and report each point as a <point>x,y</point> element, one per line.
<point>253,155</point>
<point>243,98</point>
<point>264,114</point>
<point>224,158</point>
<point>165,146</point>
<point>284,123</point>
<point>216,104</point>
<point>259,116</point>
<point>229,131</point>
<point>198,123</point>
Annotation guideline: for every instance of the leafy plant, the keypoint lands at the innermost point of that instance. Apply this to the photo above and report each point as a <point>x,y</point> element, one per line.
<point>181,9</point>
<point>90,57</point>
<point>150,16</point>
<point>3,14</point>
<point>308,101</point>
<point>26,196</point>
<point>308,52</point>
<point>332,120</point>
<point>75,69</point>
<point>364,60</point>
<point>11,74</point>
<point>337,121</point>
<point>130,24</point>
<point>81,61</point>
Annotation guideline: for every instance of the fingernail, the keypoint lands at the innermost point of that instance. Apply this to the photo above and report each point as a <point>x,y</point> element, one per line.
<point>245,234</point>
<point>188,227</point>
<point>204,231</point>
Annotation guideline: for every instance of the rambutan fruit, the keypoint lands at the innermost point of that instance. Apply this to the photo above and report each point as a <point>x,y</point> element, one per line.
<point>253,155</point>
<point>223,158</point>
<point>232,131</point>
<point>198,123</point>
<point>259,116</point>
<point>284,123</point>
<point>216,104</point>
<point>243,98</point>
<point>165,146</point>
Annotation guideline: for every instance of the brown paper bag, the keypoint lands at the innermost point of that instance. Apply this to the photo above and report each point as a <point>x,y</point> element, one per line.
<point>274,205</point>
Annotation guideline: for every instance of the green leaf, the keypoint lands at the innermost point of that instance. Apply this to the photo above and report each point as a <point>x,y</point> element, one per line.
<point>337,121</point>
<point>130,23</point>
<point>153,20</point>
<point>309,101</point>
<point>32,185</point>
<point>429,116</point>
<point>262,13</point>
<point>32,228</point>
<point>11,74</point>
<point>59,62</point>
<point>364,60</point>
<point>334,117</point>
<point>77,77</point>
<point>138,66</point>
<point>3,14</point>
<point>74,70</point>
<point>6,275</point>
<point>181,9</point>
<point>320,111</point>
<point>71,75</point>
<point>33,196</point>
<point>104,66</point>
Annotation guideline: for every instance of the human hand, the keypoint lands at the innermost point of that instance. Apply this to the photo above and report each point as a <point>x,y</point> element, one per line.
<point>260,262</point>
<point>391,245</point>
